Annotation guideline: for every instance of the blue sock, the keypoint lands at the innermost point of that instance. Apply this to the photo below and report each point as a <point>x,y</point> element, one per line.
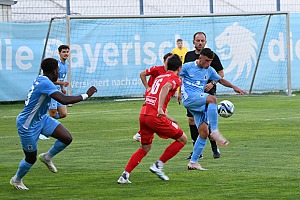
<point>212,115</point>
<point>57,116</point>
<point>57,147</point>
<point>198,148</point>
<point>24,167</point>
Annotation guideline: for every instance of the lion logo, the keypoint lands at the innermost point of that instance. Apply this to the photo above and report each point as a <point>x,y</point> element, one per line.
<point>238,44</point>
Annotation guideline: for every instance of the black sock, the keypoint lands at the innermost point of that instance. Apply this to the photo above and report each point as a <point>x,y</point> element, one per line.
<point>194,133</point>
<point>213,143</point>
<point>214,146</point>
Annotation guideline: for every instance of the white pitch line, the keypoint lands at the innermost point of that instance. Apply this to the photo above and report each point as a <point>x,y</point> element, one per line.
<point>5,137</point>
<point>99,111</point>
<point>282,118</point>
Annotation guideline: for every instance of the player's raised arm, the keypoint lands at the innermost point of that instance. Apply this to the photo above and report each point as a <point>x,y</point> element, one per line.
<point>61,98</point>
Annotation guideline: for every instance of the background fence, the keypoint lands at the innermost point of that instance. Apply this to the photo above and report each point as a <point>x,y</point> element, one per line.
<point>43,10</point>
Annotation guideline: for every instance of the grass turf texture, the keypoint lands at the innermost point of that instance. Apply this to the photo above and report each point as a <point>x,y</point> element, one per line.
<point>261,161</point>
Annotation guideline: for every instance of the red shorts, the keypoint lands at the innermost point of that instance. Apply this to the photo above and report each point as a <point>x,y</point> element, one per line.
<point>163,127</point>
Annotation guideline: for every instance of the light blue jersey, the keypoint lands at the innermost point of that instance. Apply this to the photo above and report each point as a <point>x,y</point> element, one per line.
<point>194,80</point>
<point>33,119</point>
<point>63,70</point>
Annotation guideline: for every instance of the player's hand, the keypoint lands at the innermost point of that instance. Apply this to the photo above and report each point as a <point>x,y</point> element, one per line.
<point>240,91</point>
<point>160,112</point>
<point>208,86</point>
<point>66,84</point>
<point>91,91</point>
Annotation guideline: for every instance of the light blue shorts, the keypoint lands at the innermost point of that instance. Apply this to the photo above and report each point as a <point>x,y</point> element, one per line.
<point>54,104</point>
<point>196,104</point>
<point>29,137</point>
<point>199,117</point>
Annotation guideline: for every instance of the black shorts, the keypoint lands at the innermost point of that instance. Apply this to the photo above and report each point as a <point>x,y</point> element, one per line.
<point>188,113</point>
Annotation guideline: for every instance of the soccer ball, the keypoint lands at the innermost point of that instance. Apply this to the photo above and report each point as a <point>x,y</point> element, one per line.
<point>225,108</point>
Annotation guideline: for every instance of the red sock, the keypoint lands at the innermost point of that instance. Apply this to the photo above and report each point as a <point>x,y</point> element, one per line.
<point>171,151</point>
<point>135,159</point>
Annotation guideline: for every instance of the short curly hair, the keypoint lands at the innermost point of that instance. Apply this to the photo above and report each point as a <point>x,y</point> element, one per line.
<point>49,65</point>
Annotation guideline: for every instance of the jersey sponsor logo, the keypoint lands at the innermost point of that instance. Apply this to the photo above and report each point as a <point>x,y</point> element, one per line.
<point>237,43</point>
<point>29,147</point>
<point>151,100</point>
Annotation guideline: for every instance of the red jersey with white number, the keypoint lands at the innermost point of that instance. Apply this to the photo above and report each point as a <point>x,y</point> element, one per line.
<point>151,102</point>
<point>154,72</point>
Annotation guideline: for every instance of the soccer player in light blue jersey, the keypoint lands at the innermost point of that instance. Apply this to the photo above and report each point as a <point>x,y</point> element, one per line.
<point>33,121</point>
<point>56,109</point>
<point>202,105</point>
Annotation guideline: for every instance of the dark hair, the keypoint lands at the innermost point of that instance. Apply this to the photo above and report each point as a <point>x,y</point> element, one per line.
<point>49,65</point>
<point>174,62</point>
<point>179,40</point>
<point>200,32</point>
<point>61,47</point>
<point>166,56</point>
<point>207,52</point>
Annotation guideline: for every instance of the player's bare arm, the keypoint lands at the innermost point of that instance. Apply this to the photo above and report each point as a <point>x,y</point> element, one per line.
<point>228,84</point>
<point>179,97</point>
<point>61,83</point>
<point>63,99</point>
<point>144,80</point>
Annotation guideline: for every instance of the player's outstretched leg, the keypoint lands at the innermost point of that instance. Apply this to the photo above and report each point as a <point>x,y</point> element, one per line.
<point>18,184</point>
<point>47,162</point>
<point>158,170</point>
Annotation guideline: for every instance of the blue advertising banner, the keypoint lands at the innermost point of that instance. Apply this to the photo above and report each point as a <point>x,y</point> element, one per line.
<point>105,53</point>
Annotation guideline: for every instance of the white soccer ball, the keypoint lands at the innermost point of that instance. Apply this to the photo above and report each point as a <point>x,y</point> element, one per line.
<point>225,108</point>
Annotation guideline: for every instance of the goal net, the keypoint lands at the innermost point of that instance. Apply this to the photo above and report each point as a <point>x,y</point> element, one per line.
<point>110,52</point>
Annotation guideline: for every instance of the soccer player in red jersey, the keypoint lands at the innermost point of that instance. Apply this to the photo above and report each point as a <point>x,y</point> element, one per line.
<point>154,119</point>
<point>153,72</point>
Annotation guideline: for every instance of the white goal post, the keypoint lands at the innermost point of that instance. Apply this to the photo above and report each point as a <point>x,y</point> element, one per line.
<point>109,52</point>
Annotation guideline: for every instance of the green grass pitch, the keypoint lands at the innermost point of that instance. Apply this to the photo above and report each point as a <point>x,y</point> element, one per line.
<point>261,162</point>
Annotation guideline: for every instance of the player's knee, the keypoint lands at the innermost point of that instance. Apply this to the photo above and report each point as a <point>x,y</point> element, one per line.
<point>146,148</point>
<point>211,99</point>
<point>191,121</point>
<point>30,159</point>
<point>204,134</point>
<point>68,140</point>
<point>183,139</point>
<point>203,130</point>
